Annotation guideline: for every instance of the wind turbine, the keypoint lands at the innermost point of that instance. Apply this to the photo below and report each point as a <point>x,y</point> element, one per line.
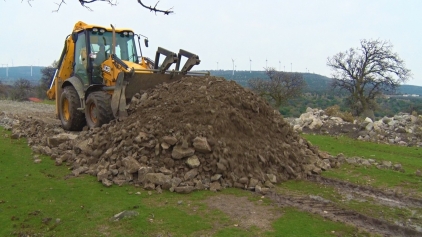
<point>266,63</point>
<point>233,65</point>
<point>7,69</point>
<point>217,66</point>
<point>279,65</point>
<point>250,65</point>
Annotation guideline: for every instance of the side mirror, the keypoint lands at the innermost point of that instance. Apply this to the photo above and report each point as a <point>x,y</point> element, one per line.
<point>146,42</point>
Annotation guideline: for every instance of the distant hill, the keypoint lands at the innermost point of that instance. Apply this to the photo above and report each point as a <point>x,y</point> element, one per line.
<point>409,89</point>
<point>316,83</point>
<point>11,74</point>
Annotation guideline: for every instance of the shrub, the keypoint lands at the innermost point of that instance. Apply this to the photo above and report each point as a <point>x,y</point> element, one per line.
<point>335,111</point>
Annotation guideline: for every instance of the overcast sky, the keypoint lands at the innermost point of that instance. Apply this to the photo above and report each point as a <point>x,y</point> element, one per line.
<point>291,35</point>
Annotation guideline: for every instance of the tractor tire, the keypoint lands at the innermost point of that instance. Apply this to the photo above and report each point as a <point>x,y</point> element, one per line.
<point>72,119</point>
<point>98,109</point>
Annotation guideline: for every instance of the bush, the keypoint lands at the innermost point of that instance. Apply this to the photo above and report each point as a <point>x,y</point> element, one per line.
<point>334,111</point>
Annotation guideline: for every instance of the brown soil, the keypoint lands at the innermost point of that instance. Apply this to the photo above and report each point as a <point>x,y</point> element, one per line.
<point>246,213</point>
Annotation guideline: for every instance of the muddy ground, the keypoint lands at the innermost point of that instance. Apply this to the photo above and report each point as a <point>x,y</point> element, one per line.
<point>248,213</point>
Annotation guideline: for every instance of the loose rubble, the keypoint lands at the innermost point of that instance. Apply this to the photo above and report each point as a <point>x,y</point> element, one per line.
<point>198,133</point>
<point>402,129</point>
<point>204,133</point>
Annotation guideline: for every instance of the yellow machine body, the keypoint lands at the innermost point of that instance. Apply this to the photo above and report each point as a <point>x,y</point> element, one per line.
<point>99,71</point>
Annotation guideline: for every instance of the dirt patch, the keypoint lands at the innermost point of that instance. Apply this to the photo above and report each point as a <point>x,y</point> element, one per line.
<point>245,212</point>
<point>329,210</point>
<point>388,197</point>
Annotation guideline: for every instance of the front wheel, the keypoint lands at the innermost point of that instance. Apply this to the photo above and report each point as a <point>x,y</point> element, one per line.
<point>71,118</point>
<point>98,109</point>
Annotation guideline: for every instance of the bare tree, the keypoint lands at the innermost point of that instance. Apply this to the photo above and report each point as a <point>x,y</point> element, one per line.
<point>22,89</point>
<point>47,74</point>
<point>366,73</point>
<point>85,4</point>
<point>279,87</point>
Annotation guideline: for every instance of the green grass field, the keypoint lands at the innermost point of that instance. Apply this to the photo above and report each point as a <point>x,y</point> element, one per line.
<point>37,200</point>
<point>409,157</point>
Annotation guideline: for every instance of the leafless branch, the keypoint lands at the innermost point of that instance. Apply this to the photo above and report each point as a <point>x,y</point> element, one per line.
<point>28,1</point>
<point>59,5</point>
<point>84,2</point>
<point>111,2</point>
<point>154,9</point>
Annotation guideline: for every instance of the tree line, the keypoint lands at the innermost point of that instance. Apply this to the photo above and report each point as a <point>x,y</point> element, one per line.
<point>363,74</point>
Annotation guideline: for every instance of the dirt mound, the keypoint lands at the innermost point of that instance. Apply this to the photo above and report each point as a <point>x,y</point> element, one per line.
<point>202,132</point>
<point>197,133</point>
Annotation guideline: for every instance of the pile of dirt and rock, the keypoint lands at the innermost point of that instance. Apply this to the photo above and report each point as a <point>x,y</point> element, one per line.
<point>197,133</point>
<point>401,129</point>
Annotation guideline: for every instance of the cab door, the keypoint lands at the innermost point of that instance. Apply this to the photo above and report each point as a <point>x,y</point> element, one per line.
<point>81,62</point>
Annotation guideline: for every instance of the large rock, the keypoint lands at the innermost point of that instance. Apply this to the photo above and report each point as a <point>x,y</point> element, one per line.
<point>193,162</point>
<point>157,178</point>
<point>142,172</point>
<point>169,140</point>
<point>56,140</point>
<point>191,174</point>
<point>184,189</point>
<point>179,152</point>
<point>132,165</point>
<point>201,145</point>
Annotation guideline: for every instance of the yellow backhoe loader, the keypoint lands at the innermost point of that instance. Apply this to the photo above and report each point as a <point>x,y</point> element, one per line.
<point>99,72</point>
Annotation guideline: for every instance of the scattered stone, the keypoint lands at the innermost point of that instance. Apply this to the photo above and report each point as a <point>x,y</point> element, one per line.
<point>107,182</point>
<point>123,215</point>
<point>215,186</point>
<point>365,162</point>
<point>193,162</point>
<point>184,189</point>
<point>397,167</point>
<point>387,164</point>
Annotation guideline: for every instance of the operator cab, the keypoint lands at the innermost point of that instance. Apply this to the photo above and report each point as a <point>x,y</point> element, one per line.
<point>94,46</point>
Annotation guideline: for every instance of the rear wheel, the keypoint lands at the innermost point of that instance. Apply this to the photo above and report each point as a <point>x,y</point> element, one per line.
<point>72,119</point>
<point>98,109</point>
